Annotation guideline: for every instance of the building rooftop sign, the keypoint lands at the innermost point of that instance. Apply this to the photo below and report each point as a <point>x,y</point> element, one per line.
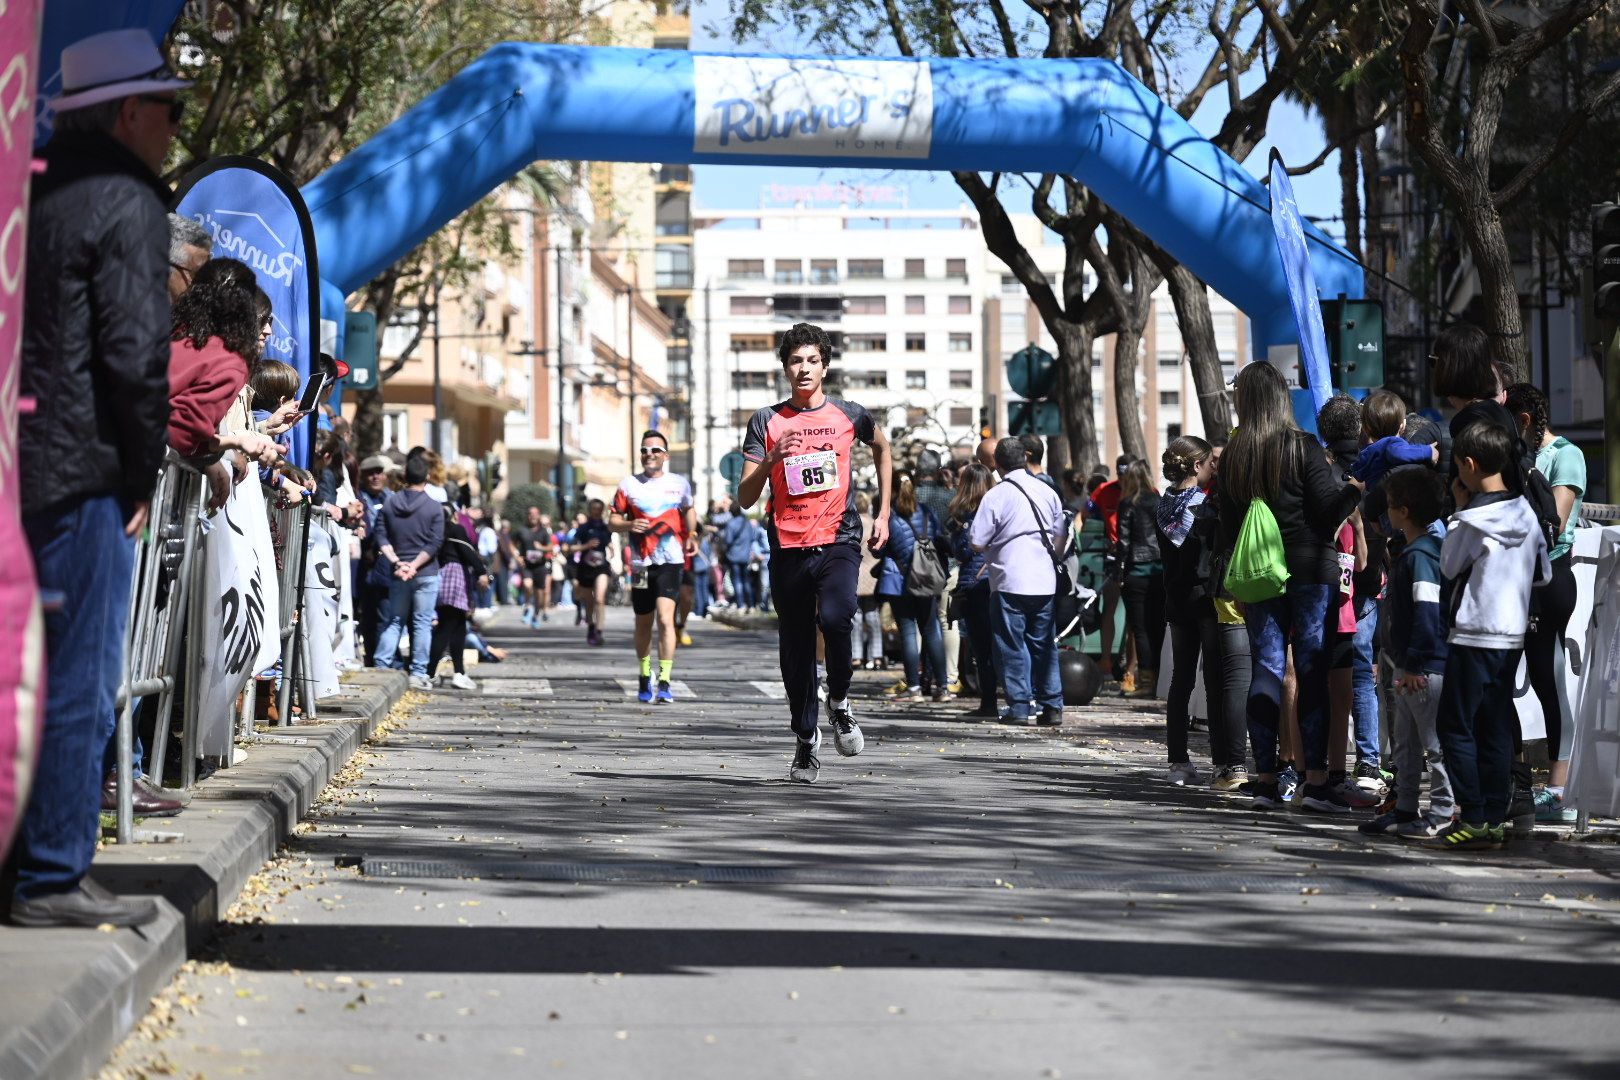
<point>834,194</point>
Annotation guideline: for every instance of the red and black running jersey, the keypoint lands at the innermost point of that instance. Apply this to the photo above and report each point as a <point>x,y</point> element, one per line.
<point>812,501</point>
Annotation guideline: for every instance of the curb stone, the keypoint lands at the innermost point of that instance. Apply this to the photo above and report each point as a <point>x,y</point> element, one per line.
<point>82,991</point>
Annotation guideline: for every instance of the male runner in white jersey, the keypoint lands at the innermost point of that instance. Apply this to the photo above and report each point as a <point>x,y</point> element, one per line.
<point>654,508</point>
<point>802,446</point>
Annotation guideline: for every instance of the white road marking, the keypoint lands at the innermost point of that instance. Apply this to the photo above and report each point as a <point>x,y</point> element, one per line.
<point>774,691</point>
<point>1469,871</point>
<point>517,687</point>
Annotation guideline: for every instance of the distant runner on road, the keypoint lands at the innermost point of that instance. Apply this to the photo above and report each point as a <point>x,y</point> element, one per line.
<point>802,446</point>
<point>593,544</point>
<point>654,508</point>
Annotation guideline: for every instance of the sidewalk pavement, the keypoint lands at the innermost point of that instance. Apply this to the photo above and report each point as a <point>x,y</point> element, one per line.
<point>70,996</point>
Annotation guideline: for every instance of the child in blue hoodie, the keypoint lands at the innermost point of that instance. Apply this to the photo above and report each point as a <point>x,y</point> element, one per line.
<point>1494,553</point>
<point>1417,648</point>
<point>1383,430</point>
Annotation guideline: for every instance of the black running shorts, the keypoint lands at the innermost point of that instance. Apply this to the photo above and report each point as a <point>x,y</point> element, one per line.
<point>652,583</point>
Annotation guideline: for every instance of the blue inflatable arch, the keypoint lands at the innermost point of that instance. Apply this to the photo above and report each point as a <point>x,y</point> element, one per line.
<point>1087,119</point>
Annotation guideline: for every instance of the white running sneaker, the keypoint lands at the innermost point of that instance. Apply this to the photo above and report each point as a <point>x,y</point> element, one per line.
<point>847,735</point>
<point>461,681</point>
<point>806,766</point>
<point>1183,773</point>
<point>421,682</point>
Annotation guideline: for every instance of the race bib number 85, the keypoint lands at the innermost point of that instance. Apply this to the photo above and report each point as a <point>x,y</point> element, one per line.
<point>812,472</point>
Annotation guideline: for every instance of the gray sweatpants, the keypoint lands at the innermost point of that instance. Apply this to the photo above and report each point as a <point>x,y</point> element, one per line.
<point>1414,734</point>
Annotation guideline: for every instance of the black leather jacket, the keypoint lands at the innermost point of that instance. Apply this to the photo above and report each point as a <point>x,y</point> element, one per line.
<point>95,350</point>
<point>1139,530</point>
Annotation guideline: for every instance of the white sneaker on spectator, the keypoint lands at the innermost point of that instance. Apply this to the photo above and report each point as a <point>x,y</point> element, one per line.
<point>1182,773</point>
<point>421,682</point>
<point>462,681</point>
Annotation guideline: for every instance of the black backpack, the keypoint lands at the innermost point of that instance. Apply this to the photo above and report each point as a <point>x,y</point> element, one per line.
<point>1539,494</point>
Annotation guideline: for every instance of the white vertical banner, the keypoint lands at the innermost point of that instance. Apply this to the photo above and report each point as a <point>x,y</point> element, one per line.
<point>255,522</point>
<point>1594,765</point>
<point>320,616</point>
<point>344,651</point>
<point>233,624</point>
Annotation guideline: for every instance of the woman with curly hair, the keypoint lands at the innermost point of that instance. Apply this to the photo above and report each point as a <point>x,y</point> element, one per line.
<point>214,349</point>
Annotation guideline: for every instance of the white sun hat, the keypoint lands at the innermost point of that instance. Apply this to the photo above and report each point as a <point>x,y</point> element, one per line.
<point>112,65</point>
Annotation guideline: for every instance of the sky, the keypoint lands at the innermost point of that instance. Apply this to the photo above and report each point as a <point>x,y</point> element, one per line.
<point>1291,129</point>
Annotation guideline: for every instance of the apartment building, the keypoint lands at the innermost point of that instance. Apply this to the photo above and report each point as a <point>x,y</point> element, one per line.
<point>923,319</point>
<point>900,291</point>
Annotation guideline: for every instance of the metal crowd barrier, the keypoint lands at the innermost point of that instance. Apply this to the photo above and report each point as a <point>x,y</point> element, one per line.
<point>167,599</point>
<point>289,531</point>
<point>161,591</point>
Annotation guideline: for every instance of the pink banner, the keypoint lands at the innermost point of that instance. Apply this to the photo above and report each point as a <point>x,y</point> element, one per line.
<point>22,647</point>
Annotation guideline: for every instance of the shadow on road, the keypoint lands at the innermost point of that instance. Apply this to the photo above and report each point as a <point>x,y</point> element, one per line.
<point>673,950</point>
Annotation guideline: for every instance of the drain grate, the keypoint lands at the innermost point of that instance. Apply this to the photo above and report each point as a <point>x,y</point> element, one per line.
<point>1496,888</point>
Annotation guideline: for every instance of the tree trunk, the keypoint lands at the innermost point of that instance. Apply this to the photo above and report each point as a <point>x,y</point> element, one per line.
<point>367,429</point>
<point>1127,401</point>
<point>1372,212</point>
<point>1191,300</point>
<point>1074,342</point>
<point>1350,189</point>
<point>1499,290</point>
<point>1057,455</point>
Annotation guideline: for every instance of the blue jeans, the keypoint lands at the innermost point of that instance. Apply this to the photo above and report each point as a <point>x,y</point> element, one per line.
<point>701,580</point>
<point>1026,652</point>
<point>81,556</point>
<point>912,612</point>
<point>742,586</point>
<point>1298,618</point>
<point>1479,730</point>
<point>1364,709</point>
<point>414,599</point>
<point>109,756</point>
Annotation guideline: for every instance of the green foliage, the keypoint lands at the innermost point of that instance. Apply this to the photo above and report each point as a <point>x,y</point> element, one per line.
<point>523,496</point>
<point>300,84</point>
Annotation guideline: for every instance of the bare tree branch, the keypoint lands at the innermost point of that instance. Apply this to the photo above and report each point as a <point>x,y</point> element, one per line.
<point>897,27</point>
<point>1009,40</point>
<point>1574,124</point>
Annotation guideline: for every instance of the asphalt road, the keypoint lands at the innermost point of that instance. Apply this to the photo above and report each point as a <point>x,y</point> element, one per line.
<point>549,878</point>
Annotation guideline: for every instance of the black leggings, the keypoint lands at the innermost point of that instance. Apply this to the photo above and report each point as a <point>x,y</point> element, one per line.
<point>1550,611</point>
<point>1144,611</point>
<point>1236,670</point>
<point>449,636</point>
<point>1192,639</point>
<point>973,605</point>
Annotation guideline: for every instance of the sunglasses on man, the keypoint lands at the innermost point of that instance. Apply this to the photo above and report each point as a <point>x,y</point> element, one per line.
<point>177,105</point>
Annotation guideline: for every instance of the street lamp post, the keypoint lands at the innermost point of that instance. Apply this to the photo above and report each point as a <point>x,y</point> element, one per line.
<point>736,387</point>
<point>563,487</point>
<point>630,367</point>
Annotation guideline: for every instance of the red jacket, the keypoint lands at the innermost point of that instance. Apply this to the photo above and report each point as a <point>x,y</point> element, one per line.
<point>1106,501</point>
<point>203,384</point>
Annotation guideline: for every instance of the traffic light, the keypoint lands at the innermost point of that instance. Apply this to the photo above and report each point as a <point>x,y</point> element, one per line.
<point>1606,261</point>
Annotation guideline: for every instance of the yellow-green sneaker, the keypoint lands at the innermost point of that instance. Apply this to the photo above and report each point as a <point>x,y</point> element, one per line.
<point>1461,836</point>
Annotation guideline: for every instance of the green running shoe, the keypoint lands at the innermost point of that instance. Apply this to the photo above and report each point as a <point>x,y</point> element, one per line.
<point>1460,836</point>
